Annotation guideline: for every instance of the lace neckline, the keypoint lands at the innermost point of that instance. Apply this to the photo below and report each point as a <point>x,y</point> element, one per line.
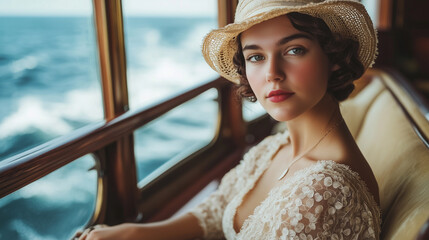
<point>280,140</point>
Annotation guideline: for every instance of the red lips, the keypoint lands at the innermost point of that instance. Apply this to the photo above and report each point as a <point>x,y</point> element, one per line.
<point>279,95</point>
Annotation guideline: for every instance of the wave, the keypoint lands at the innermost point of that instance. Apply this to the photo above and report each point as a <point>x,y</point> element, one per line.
<point>52,118</point>
<point>27,62</point>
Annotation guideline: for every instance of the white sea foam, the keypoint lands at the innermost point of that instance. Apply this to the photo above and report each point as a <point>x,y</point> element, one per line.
<point>167,69</point>
<point>67,185</point>
<point>167,77</point>
<point>82,105</point>
<point>34,113</point>
<point>31,113</point>
<point>79,184</point>
<point>28,62</point>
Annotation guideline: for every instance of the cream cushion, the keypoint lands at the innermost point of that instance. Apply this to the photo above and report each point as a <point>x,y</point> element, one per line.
<point>398,157</point>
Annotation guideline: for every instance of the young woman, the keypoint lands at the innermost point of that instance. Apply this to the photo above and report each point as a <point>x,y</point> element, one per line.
<point>298,58</point>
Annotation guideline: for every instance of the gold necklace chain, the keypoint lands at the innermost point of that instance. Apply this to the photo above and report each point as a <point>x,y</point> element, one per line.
<point>315,145</point>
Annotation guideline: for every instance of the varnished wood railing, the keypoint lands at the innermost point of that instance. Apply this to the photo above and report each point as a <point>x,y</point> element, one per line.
<point>20,170</point>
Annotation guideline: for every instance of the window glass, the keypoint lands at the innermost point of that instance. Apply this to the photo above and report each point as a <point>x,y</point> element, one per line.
<point>163,46</point>
<point>252,110</point>
<point>372,7</point>
<point>49,82</point>
<point>175,135</point>
<point>53,207</point>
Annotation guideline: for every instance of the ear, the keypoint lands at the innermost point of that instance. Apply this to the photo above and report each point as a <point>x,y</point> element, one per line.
<point>335,67</point>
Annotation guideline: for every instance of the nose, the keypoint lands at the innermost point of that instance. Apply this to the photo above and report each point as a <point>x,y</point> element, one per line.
<point>274,70</point>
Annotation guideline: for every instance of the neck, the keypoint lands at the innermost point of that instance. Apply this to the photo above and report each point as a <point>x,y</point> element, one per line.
<point>306,129</point>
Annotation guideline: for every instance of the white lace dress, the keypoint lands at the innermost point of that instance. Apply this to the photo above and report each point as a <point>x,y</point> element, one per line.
<point>326,200</point>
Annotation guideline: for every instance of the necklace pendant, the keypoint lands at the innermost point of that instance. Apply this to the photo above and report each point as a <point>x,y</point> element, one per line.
<point>283,174</point>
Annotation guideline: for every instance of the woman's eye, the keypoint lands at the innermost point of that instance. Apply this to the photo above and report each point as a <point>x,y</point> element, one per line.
<point>255,58</point>
<point>296,51</point>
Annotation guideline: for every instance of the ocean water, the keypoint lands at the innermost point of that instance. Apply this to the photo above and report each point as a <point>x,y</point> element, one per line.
<point>48,69</point>
<point>49,86</point>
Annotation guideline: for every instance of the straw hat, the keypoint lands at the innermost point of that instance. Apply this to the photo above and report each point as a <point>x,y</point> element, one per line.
<point>345,17</point>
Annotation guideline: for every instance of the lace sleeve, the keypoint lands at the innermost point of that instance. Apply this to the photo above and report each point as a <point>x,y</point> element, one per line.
<point>329,205</point>
<point>211,211</point>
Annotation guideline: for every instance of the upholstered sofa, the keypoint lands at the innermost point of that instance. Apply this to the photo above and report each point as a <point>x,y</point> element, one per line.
<point>390,129</point>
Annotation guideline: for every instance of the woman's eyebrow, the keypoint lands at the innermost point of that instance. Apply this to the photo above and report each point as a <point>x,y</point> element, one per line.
<point>293,37</point>
<point>280,42</point>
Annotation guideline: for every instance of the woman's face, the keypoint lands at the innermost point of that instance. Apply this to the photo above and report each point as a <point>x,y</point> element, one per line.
<point>287,69</point>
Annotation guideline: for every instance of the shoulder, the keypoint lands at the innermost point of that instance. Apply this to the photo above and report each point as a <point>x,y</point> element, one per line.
<point>334,200</point>
<point>337,178</point>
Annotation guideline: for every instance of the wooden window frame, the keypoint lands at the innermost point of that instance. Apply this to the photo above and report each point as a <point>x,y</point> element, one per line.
<point>111,140</point>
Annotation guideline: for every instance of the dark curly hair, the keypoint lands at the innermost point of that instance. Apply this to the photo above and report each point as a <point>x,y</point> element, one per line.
<point>341,51</point>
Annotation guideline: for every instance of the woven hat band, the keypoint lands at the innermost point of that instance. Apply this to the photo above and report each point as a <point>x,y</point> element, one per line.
<point>247,9</point>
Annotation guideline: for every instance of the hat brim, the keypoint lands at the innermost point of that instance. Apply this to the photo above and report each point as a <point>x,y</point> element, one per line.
<point>344,17</point>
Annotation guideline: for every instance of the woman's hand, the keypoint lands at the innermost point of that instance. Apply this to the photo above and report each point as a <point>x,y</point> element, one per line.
<point>103,232</point>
